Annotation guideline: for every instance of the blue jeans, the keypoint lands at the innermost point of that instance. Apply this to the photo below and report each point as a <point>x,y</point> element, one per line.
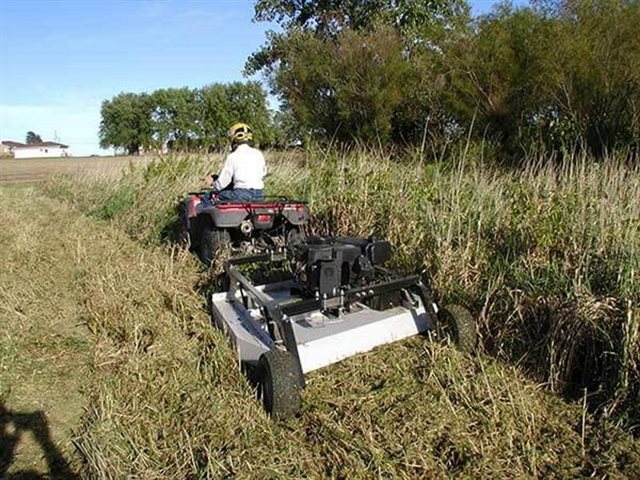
<point>234,195</point>
<point>241,195</point>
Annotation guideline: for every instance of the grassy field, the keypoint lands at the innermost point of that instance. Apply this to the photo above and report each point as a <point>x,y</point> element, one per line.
<point>537,254</point>
<point>39,169</point>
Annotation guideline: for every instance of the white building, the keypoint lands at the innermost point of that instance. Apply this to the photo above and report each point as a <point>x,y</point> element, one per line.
<point>36,150</point>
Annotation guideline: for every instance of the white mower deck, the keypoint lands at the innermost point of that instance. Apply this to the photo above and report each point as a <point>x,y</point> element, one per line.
<point>321,340</point>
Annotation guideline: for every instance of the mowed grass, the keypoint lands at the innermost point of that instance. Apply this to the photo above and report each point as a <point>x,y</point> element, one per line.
<point>168,400</point>
<point>40,169</point>
<point>45,352</point>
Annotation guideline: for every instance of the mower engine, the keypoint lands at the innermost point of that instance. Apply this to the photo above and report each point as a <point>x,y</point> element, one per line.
<point>324,266</point>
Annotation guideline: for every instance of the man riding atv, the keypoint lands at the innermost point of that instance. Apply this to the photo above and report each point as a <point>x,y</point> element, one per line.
<point>242,176</point>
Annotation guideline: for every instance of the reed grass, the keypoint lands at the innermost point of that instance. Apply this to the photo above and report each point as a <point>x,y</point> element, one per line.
<point>546,257</point>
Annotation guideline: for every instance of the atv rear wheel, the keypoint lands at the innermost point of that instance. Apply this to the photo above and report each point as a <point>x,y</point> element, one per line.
<point>295,235</point>
<point>212,240</point>
<point>457,323</point>
<point>280,384</point>
<point>181,234</point>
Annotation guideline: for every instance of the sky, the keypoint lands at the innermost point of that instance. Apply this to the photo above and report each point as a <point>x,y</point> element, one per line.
<point>59,59</point>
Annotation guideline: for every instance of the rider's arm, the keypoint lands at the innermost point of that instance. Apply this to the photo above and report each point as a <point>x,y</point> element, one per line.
<point>226,175</point>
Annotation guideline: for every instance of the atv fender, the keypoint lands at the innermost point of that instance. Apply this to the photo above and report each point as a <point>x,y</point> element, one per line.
<point>296,214</point>
<point>224,219</point>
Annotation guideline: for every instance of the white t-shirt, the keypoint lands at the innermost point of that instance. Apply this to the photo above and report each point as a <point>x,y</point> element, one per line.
<point>245,166</point>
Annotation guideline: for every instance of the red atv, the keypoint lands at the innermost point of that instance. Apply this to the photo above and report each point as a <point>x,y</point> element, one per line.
<point>247,227</point>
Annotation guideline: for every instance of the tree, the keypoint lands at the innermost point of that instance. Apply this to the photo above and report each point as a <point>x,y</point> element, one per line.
<point>347,69</point>
<point>552,75</point>
<point>184,119</point>
<point>126,122</point>
<point>222,105</point>
<point>421,23</point>
<point>175,117</point>
<point>347,89</point>
<point>562,73</point>
<point>33,138</point>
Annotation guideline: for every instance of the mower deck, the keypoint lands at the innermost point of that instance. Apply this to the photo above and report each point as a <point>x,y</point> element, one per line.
<point>321,339</point>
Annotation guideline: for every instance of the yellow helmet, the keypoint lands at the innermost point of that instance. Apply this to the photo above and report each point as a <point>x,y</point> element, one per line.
<point>240,133</point>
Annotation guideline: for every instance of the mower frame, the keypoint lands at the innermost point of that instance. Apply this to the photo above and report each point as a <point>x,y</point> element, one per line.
<point>279,315</point>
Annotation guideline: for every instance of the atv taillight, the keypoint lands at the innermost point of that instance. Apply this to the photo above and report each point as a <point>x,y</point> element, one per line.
<point>263,218</point>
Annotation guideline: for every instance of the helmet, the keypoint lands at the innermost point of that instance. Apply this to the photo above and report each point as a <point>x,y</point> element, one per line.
<point>240,133</point>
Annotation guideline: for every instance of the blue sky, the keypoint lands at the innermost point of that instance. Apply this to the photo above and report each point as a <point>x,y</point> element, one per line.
<point>59,59</point>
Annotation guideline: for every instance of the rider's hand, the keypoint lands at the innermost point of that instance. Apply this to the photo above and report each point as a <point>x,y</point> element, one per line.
<point>208,180</point>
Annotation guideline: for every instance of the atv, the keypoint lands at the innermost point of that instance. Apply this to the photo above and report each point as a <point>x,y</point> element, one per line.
<point>206,227</point>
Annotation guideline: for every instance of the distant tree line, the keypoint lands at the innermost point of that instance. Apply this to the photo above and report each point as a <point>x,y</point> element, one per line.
<point>413,72</point>
<point>548,77</point>
<point>184,119</point>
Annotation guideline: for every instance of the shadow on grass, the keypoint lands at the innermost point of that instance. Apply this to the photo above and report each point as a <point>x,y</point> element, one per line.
<point>13,426</point>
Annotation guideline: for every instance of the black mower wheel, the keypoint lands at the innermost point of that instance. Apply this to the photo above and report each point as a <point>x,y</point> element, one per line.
<point>280,384</point>
<point>212,240</point>
<point>458,324</point>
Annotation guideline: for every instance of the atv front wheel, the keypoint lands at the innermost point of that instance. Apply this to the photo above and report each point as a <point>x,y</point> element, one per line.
<point>212,240</point>
<point>457,323</point>
<point>280,384</point>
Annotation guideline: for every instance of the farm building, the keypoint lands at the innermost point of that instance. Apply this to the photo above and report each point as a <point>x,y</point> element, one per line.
<point>6,148</point>
<point>34,150</point>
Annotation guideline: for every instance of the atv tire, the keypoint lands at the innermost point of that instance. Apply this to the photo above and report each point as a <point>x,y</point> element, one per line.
<point>212,240</point>
<point>457,323</point>
<point>181,234</point>
<point>295,235</point>
<point>181,237</point>
<point>280,384</point>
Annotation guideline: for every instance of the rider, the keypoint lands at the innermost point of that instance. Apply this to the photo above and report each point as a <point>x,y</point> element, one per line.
<point>242,176</point>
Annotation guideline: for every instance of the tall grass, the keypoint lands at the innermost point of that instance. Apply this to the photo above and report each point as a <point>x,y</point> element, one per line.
<point>538,255</point>
<point>547,256</point>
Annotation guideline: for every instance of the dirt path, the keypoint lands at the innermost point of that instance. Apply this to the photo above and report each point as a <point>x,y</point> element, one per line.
<point>38,169</point>
<point>45,351</point>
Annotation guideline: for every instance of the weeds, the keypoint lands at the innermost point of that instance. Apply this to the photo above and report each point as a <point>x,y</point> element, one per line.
<point>547,257</point>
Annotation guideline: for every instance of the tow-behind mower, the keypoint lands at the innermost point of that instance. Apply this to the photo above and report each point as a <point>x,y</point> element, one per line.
<point>338,301</point>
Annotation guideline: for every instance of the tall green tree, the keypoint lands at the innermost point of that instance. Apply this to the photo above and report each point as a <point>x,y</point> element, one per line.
<point>222,105</point>
<point>346,89</point>
<point>596,71</point>
<point>556,75</point>
<point>421,23</point>
<point>126,122</point>
<point>346,69</point>
<point>175,118</point>
<point>184,119</point>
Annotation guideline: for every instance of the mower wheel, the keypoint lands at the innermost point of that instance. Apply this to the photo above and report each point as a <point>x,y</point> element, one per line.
<point>458,324</point>
<point>280,384</point>
<point>212,240</point>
